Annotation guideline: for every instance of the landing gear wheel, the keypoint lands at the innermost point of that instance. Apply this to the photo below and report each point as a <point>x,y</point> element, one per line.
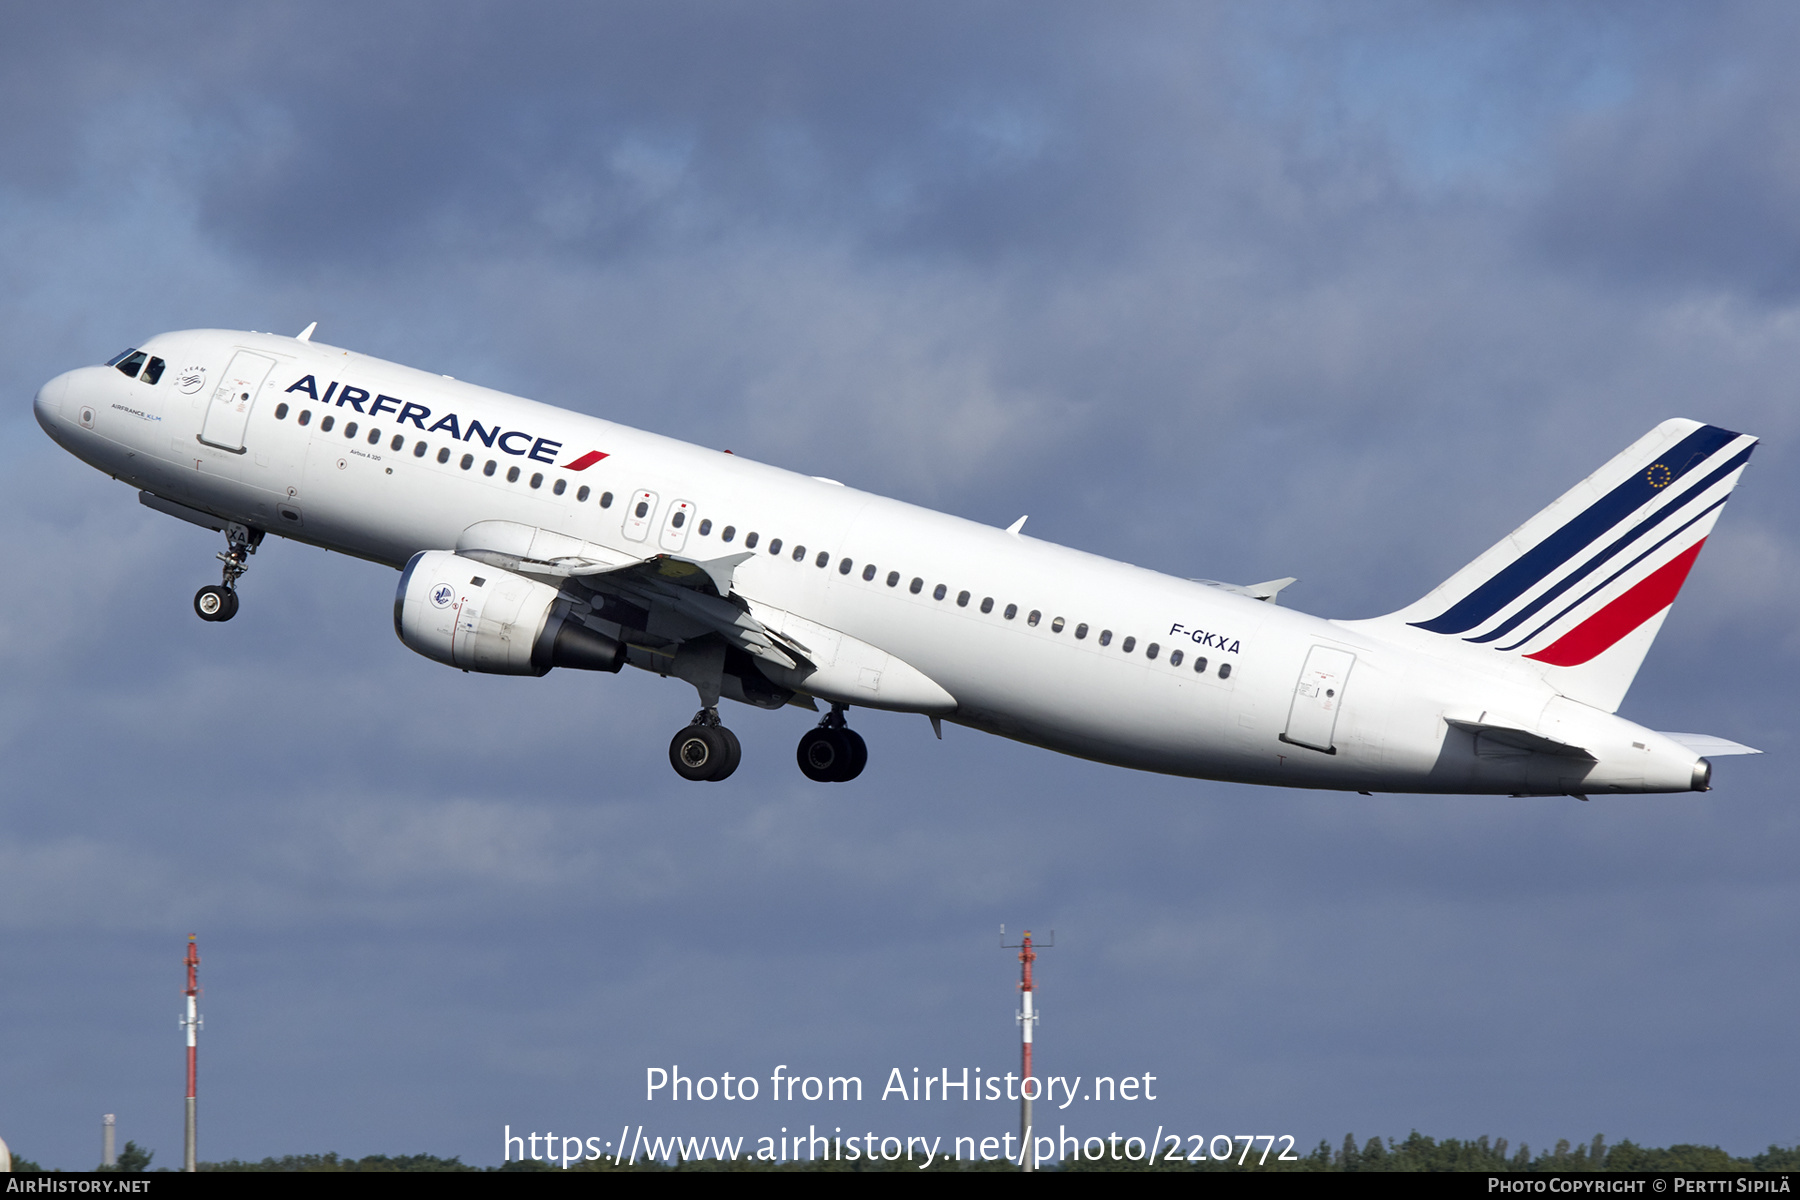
<point>825,755</point>
<point>734,753</point>
<point>702,752</point>
<point>859,756</point>
<point>215,603</point>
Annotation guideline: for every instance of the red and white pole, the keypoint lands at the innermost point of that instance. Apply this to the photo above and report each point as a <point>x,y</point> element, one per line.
<point>191,1022</point>
<point>1027,1018</point>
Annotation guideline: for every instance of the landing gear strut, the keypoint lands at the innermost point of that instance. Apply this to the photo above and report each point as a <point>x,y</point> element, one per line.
<point>833,752</point>
<point>705,749</point>
<point>219,602</point>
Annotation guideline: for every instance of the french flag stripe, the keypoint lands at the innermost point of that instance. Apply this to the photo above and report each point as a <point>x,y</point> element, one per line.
<point>1605,628</point>
<point>585,461</point>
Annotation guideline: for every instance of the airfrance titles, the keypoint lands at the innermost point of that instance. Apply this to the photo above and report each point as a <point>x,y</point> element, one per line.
<point>510,441</point>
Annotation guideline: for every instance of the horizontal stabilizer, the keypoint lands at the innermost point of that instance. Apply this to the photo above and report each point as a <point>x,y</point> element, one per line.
<point>1518,739</point>
<point>1707,746</point>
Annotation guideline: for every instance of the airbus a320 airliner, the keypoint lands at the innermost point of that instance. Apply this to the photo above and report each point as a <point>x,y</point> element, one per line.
<point>528,538</point>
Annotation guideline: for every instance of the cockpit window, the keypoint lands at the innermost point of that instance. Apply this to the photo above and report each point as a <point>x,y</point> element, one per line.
<point>153,372</point>
<point>120,357</point>
<point>132,363</point>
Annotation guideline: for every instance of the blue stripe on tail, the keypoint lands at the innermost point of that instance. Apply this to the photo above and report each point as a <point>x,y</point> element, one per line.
<point>1581,531</point>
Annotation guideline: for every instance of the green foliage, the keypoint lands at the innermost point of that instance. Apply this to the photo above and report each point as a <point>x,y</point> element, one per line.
<point>26,1166</point>
<point>1416,1153</point>
<point>309,1163</point>
<point>133,1158</point>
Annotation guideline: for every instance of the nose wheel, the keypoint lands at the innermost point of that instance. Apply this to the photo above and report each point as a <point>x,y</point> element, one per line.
<point>705,750</point>
<point>215,603</point>
<point>833,752</point>
<point>219,602</point>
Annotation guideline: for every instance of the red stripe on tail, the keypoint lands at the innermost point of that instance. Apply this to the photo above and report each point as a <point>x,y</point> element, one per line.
<point>1605,628</point>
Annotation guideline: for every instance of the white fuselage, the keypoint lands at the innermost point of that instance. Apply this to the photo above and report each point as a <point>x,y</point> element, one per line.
<point>1387,722</point>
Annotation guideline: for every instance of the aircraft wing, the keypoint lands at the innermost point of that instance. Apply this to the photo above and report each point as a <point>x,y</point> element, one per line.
<point>696,593</point>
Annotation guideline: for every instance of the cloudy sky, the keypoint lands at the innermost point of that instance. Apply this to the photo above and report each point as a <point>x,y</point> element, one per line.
<point>1341,291</point>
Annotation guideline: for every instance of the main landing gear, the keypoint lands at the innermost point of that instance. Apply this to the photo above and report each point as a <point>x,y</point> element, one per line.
<point>705,749</point>
<point>833,752</point>
<point>219,602</point>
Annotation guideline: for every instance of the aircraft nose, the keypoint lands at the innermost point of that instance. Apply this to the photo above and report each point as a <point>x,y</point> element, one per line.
<point>48,404</point>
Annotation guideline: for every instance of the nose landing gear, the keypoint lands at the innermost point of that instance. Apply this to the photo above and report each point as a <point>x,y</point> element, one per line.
<point>833,752</point>
<point>705,750</point>
<point>219,602</point>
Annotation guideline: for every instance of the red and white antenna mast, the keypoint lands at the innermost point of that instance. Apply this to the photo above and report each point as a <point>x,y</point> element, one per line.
<point>191,1022</point>
<point>1027,1017</point>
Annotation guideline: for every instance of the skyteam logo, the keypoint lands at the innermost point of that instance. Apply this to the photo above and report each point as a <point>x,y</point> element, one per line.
<point>443,596</point>
<point>1606,558</point>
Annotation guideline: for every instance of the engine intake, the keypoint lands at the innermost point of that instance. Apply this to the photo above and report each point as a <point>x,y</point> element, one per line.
<point>467,614</point>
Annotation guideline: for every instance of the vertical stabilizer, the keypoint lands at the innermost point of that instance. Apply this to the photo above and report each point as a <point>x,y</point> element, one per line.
<point>1578,593</point>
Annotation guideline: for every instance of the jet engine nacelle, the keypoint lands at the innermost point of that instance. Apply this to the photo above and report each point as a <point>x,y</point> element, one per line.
<point>467,614</point>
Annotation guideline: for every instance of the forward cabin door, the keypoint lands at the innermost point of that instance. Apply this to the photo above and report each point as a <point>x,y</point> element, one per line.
<point>1318,696</point>
<point>232,400</point>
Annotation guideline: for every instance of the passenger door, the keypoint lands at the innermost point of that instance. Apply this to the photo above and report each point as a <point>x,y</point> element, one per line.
<point>1318,696</point>
<point>232,400</point>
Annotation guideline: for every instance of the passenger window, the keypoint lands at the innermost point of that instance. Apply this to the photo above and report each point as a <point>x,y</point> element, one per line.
<point>962,599</point>
<point>750,540</point>
<point>281,412</point>
<point>799,553</point>
<point>1200,666</point>
<point>1012,610</point>
<point>868,571</point>
<point>893,578</point>
<point>305,417</point>
<point>327,423</point>
<point>916,586</point>
<point>937,593</point>
<point>444,454</point>
<point>1106,637</point>
<point>512,474</point>
<point>537,478</point>
<point>605,499</point>
<point>561,486</point>
<point>132,365</point>
<point>1224,670</point>
<point>774,545</point>
<point>1151,649</point>
<point>1081,631</point>
<point>706,527</point>
<point>1174,658</point>
<point>153,372</point>
<point>675,522</point>
<point>581,493</point>
<point>730,532</point>
<point>489,468</point>
<point>1056,626</point>
<point>1032,620</point>
<point>419,449</point>
<point>987,604</point>
<point>468,460</point>
<point>350,430</point>
<point>399,443</point>
<point>1128,645</point>
<point>642,511</point>
<point>374,436</point>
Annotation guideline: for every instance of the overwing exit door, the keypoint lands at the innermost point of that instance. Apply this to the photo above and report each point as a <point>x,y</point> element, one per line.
<point>229,412</point>
<point>1318,696</point>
